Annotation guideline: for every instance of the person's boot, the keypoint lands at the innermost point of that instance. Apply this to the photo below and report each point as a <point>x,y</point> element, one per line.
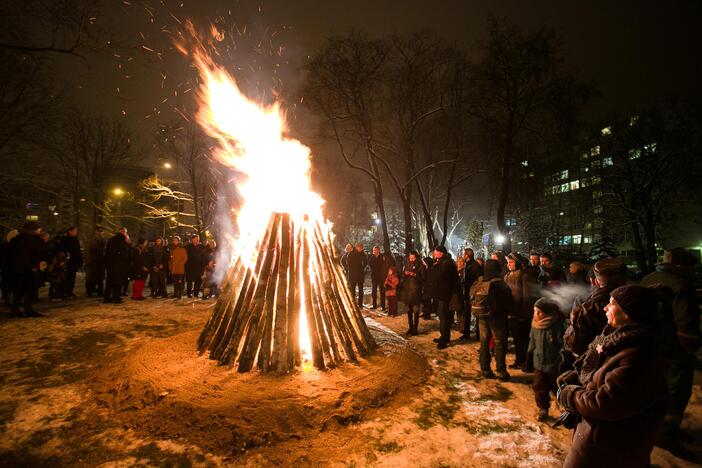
<point>542,414</point>
<point>503,376</point>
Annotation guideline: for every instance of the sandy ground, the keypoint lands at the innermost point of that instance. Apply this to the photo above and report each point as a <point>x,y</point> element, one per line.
<point>121,385</point>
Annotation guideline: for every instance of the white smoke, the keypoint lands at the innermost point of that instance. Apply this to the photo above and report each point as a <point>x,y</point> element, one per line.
<point>566,296</point>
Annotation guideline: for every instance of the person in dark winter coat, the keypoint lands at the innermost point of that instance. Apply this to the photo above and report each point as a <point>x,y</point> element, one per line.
<point>140,269</point>
<point>379,271</point>
<point>551,275</point>
<point>195,267</point>
<point>471,272</point>
<point>682,314</point>
<point>577,274</point>
<point>587,320</point>
<point>357,262</point>
<point>491,301</point>
<point>545,343</point>
<point>444,285</point>
<point>345,261</point>
<point>522,312</point>
<point>618,387</point>
<point>413,275</point>
<point>95,263</point>
<point>118,255</point>
<point>158,264</point>
<point>26,253</point>
<point>71,245</point>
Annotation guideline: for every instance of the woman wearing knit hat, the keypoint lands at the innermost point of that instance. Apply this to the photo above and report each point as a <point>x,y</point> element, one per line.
<point>618,387</point>
<point>545,342</point>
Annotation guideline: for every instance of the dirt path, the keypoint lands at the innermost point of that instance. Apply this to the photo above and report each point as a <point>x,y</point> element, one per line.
<point>68,396</point>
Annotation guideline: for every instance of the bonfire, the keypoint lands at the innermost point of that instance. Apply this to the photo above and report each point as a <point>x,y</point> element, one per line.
<point>284,300</point>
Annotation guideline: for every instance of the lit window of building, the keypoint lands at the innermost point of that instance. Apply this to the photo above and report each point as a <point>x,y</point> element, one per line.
<point>650,148</point>
<point>587,240</point>
<point>607,161</point>
<point>525,163</point>
<point>633,120</point>
<point>577,238</point>
<point>595,150</point>
<point>595,180</point>
<point>634,153</point>
<point>606,131</point>
<point>574,184</point>
<point>32,218</point>
<point>597,210</point>
<point>564,174</point>
<point>565,188</point>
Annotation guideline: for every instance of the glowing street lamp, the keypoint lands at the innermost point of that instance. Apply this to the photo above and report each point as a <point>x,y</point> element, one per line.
<point>118,192</point>
<point>499,239</point>
<point>167,165</point>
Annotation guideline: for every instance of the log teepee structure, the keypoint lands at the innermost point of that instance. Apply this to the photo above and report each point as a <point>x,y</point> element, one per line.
<point>292,295</point>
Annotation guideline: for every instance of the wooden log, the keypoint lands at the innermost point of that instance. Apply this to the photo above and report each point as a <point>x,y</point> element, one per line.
<point>232,283</point>
<point>294,304</point>
<point>252,341</point>
<point>233,342</point>
<point>279,358</point>
<point>355,314</point>
<point>315,338</point>
<point>326,327</point>
<point>334,310</point>
<point>268,314</point>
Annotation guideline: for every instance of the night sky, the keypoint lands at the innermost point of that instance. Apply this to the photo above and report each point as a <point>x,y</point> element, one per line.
<point>635,52</point>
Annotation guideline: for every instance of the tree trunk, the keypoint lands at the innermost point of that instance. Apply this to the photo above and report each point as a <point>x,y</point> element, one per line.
<point>650,247</point>
<point>447,202</point>
<point>504,187</point>
<point>409,228</point>
<point>639,250</point>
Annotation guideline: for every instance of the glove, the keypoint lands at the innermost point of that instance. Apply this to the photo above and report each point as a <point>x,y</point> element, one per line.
<point>567,420</point>
<point>565,397</point>
<point>569,377</point>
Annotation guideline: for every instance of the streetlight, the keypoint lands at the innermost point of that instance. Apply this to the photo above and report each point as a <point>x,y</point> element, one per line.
<point>167,165</point>
<point>118,192</point>
<point>499,239</point>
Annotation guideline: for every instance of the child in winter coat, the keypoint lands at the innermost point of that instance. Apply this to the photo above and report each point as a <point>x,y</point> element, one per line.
<point>391,283</point>
<point>56,272</point>
<point>545,342</point>
<point>209,285</point>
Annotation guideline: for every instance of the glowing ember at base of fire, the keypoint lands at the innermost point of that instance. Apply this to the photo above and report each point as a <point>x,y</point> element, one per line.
<point>291,306</point>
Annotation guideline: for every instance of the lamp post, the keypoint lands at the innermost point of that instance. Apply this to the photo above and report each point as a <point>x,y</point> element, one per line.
<point>118,193</point>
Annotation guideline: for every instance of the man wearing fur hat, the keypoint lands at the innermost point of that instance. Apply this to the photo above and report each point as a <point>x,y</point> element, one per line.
<point>683,314</point>
<point>587,320</point>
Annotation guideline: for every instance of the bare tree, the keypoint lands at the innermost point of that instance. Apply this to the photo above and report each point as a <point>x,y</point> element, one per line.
<point>655,167</point>
<point>57,26</point>
<point>88,149</point>
<point>190,195</point>
<point>519,88</point>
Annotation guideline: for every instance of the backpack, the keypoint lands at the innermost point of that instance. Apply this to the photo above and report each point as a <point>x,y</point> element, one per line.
<point>479,294</point>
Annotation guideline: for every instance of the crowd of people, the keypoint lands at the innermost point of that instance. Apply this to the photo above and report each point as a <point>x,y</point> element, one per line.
<point>30,259</point>
<point>620,361</point>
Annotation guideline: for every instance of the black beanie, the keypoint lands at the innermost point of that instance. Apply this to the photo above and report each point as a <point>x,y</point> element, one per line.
<point>547,307</point>
<point>491,269</point>
<point>638,302</point>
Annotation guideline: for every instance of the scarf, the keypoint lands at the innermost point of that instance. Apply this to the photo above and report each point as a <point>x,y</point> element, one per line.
<point>546,322</point>
<point>610,342</point>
